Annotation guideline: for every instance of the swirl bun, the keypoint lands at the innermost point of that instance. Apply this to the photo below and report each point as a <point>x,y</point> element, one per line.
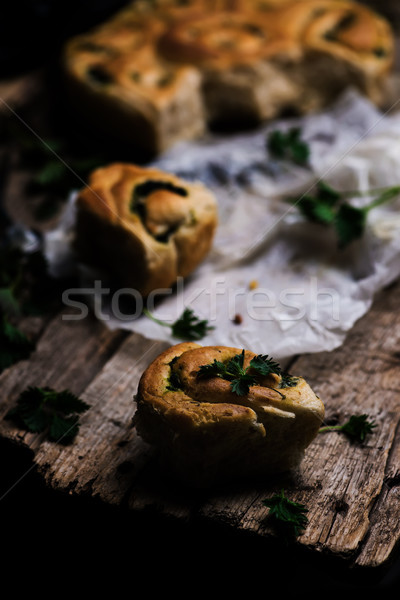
<point>344,43</point>
<point>144,226</point>
<point>209,434</point>
<point>164,71</point>
<point>118,81</point>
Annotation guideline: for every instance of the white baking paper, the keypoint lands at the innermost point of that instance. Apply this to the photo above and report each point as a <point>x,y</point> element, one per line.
<point>308,294</point>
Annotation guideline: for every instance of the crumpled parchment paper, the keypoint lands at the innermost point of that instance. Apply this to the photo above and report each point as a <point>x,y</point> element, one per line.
<point>282,277</point>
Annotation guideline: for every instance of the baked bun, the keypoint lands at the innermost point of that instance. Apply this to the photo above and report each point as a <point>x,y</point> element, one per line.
<point>167,70</point>
<point>235,53</point>
<point>118,81</point>
<point>344,44</point>
<point>144,226</point>
<point>207,433</point>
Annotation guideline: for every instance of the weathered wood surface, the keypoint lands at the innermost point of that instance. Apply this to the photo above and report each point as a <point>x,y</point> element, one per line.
<point>350,490</point>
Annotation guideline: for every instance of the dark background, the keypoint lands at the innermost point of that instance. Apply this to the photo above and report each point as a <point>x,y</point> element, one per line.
<point>55,543</point>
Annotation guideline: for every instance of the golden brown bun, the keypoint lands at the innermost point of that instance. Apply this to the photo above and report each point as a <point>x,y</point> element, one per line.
<point>344,43</point>
<point>144,226</point>
<point>208,434</point>
<point>118,81</point>
<point>161,72</point>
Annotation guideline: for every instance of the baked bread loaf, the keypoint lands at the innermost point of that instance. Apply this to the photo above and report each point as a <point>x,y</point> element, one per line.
<point>143,226</point>
<point>208,434</point>
<point>163,71</point>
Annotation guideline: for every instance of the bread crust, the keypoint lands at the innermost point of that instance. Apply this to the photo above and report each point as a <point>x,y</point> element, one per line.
<point>162,72</point>
<point>144,246</point>
<point>209,435</point>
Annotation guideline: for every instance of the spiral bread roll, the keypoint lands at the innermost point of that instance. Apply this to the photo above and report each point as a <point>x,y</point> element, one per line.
<point>343,44</point>
<point>119,82</point>
<point>165,71</point>
<point>206,433</point>
<point>143,226</point>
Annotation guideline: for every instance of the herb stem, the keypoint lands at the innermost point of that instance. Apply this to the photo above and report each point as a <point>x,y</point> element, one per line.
<point>385,196</point>
<point>331,428</point>
<point>370,192</point>
<point>153,318</point>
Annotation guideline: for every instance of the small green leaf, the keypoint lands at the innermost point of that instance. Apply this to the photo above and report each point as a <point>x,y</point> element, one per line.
<point>63,429</point>
<point>356,428</point>
<point>350,224</point>
<point>264,365</point>
<point>287,514</point>
<point>234,365</point>
<point>187,327</point>
<point>44,409</point>
<point>241,386</point>
<point>233,370</point>
<point>289,146</point>
<point>215,369</point>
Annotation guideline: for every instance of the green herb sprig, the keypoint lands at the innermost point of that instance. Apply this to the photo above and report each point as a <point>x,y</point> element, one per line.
<point>41,409</point>
<point>356,428</point>
<point>290,516</point>
<point>243,378</point>
<point>329,207</point>
<point>187,327</point>
<point>289,146</point>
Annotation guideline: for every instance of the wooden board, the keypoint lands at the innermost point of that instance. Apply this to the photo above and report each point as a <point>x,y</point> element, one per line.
<point>350,490</point>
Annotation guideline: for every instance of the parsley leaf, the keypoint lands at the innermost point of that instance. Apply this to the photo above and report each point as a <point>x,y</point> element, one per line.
<point>356,428</point>
<point>330,208</point>
<point>43,409</point>
<point>287,514</point>
<point>187,327</point>
<point>241,379</point>
<point>289,146</point>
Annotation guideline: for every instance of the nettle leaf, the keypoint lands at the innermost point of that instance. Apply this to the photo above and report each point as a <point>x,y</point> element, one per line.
<point>215,369</point>
<point>264,365</point>
<point>241,386</point>
<point>356,428</point>
<point>329,207</point>
<point>190,327</point>
<point>289,145</point>
<point>187,327</point>
<point>42,409</point>
<point>350,224</point>
<point>235,365</point>
<point>289,515</point>
<point>63,429</point>
<point>241,378</point>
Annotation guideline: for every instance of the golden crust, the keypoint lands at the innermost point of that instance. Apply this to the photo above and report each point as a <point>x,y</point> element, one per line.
<point>144,226</point>
<point>207,434</point>
<point>160,72</point>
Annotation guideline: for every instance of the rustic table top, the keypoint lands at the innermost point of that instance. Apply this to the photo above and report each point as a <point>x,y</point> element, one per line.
<point>351,490</point>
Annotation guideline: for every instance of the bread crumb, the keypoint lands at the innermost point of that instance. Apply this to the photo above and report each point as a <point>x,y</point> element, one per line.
<point>237,319</point>
<point>253,284</point>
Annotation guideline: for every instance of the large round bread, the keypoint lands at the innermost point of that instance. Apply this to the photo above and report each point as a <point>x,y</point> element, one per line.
<point>164,71</point>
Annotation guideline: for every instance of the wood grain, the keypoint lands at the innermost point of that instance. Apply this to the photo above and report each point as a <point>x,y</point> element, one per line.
<point>351,490</point>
